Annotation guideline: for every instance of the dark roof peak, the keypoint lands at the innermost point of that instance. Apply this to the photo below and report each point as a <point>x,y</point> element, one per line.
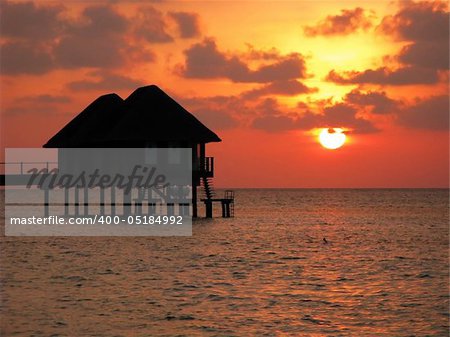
<point>147,116</point>
<point>111,95</point>
<point>90,124</point>
<point>147,92</point>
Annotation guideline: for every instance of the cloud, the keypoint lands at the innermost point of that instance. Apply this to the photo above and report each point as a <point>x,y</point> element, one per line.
<point>275,123</point>
<point>26,20</point>
<point>204,60</point>
<point>348,22</point>
<point>431,113</point>
<point>341,115</point>
<point>188,24</point>
<point>273,119</point>
<point>217,112</point>
<point>151,26</point>
<point>45,99</point>
<point>287,67</point>
<point>386,76</point>
<point>107,81</point>
<point>95,41</point>
<point>257,54</point>
<point>78,52</point>
<point>379,102</point>
<point>418,21</point>
<point>26,29</point>
<point>425,113</point>
<point>44,105</point>
<point>23,58</point>
<point>42,110</point>
<point>216,118</point>
<point>425,26</point>
<point>266,113</point>
<point>101,21</point>
<point>284,88</point>
<point>426,54</point>
<point>37,39</point>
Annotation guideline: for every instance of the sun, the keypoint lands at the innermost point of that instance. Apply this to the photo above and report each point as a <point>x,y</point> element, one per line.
<point>332,138</point>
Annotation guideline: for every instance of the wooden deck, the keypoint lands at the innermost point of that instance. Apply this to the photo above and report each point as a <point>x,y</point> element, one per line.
<point>227,203</point>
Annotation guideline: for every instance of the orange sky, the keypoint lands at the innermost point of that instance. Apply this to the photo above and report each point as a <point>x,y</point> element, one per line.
<point>264,75</point>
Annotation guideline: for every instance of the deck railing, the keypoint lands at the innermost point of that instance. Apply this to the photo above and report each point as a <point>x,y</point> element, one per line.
<point>21,167</point>
<point>208,167</point>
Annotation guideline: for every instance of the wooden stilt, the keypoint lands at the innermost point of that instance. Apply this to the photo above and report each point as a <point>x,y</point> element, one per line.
<point>184,209</point>
<point>86,200</point>
<point>76,201</point>
<point>102,201</point>
<point>66,201</point>
<point>226,204</point>
<point>209,209</point>
<point>170,208</point>
<point>46,201</point>
<point>138,202</point>
<point>151,208</point>
<point>224,209</point>
<point>113,201</point>
<point>194,201</point>
<point>126,203</point>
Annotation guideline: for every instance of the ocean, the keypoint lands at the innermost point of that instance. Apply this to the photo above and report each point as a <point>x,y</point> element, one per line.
<point>382,270</point>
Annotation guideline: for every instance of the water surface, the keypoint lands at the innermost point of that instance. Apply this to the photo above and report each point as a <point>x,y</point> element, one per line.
<point>266,272</point>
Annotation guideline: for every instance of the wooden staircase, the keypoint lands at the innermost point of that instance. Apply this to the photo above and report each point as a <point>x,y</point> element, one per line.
<point>227,202</point>
<point>208,188</point>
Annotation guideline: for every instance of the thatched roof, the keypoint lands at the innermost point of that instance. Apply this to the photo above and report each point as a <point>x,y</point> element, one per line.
<point>147,116</point>
<point>91,125</point>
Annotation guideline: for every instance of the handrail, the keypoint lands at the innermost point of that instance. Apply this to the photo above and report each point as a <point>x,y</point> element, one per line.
<point>209,165</point>
<point>22,163</point>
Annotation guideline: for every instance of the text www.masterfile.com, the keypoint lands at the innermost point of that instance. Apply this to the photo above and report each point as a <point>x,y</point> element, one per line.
<point>99,219</point>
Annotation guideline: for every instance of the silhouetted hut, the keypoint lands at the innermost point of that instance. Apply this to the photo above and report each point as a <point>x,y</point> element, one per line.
<point>148,118</point>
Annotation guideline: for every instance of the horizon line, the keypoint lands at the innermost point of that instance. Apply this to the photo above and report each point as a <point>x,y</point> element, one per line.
<point>333,188</point>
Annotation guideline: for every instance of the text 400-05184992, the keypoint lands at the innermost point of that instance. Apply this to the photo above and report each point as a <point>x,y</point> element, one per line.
<point>143,220</point>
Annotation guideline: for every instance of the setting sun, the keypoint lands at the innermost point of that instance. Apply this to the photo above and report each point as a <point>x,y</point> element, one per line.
<point>332,138</point>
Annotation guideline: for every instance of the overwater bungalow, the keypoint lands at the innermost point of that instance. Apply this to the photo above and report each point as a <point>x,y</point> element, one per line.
<point>148,118</point>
